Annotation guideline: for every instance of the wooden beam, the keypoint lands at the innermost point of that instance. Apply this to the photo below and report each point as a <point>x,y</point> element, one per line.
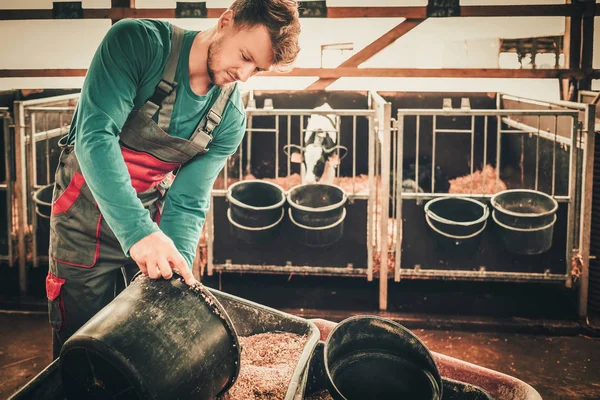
<point>548,10</point>
<point>377,12</point>
<point>373,48</point>
<point>41,73</point>
<point>340,72</point>
<point>332,12</point>
<point>587,47</point>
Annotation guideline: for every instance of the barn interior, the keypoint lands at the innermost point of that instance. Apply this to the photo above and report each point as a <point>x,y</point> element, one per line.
<point>435,117</point>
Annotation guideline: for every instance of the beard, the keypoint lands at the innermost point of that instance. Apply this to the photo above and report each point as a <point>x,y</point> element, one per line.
<point>211,62</point>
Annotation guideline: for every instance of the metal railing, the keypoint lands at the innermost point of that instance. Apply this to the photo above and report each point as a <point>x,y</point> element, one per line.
<point>7,187</point>
<point>284,127</point>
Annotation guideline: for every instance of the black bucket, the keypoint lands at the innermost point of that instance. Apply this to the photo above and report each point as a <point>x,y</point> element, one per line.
<point>525,220</point>
<point>43,201</point>
<point>370,357</point>
<point>457,223</point>
<point>255,210</point>
<point>158,339</point>
<point>317,210</point>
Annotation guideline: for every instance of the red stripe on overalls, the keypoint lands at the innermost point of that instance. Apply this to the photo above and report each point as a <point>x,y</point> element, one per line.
<point>146,171</point>
<point>68,197</point>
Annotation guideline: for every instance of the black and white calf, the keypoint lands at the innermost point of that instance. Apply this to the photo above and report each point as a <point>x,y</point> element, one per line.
<point>321,153</point>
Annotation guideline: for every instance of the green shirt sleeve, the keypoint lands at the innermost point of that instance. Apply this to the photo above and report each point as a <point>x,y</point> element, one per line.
<point>122,63</point>
<point>188,199</point>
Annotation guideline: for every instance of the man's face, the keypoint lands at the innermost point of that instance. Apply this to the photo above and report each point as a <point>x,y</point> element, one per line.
<point>237,54</point>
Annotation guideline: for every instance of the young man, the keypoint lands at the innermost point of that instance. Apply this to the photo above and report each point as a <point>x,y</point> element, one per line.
<point>156,99</point>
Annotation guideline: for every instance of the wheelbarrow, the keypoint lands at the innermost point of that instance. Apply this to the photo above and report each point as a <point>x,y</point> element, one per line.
<point>461,380</point>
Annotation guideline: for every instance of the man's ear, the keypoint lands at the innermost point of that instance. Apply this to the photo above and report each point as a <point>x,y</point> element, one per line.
<point>226,19</point>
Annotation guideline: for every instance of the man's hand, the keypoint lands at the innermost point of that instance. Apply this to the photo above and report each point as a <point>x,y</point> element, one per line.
<point>156,255</point>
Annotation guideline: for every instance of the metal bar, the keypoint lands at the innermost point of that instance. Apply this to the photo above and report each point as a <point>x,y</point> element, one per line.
<point>50,109</point>
<point>537,155</point>
<point>394,165</point>
<point>429,196</point>
<point>248,143</point>
<point>485,143</point>
<point>21,192</point>
<point>586,207</point>
<point>296,270</point>
<point>498,276</point>
<point>524,128</point>
<point>371,204</point>
<point>385,190</point>
<point>308,113</point>
<point>433,149</point>
<point>453,130</point>
<point>289,141</point>
<point>558,103</point>
<point>472,151</point>
<point>210,267</point>
<point>399,178</point>
<point>353,154</point>
<point>480,112</point>
<point>276,146</point>
<point>53,100</point>
<point>302,172</point>
<point>339,142</point>
<point>571,211</point>
<point>498,146</point>
<point>262,129</point>
<point>48,148</point>
<point>554,156</point>
<point>417,139</point>
<point>8,151</point>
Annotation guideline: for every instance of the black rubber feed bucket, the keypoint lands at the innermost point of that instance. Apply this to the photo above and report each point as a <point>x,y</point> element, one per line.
<point>43,201</point>
<point>255,210</point>
<point>457,218</point>
<point>158,339</point>
<point>369,357</point>
<point>318,213</point>
<point>525,220</point>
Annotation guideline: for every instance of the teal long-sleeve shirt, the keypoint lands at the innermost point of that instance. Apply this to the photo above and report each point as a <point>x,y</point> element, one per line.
<point>123,74</point>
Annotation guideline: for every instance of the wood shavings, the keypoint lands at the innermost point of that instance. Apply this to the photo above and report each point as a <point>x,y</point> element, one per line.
<point>267,364</point>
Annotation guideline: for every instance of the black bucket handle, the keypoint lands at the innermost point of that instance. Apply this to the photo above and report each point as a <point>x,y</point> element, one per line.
<point>258,228</point>
<point>317,228</point>
<point>514,228</point>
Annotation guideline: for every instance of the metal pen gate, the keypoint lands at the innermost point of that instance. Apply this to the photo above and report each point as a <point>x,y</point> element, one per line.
<point>261,157</point>
<point>486,141</point>
<point>39,124</point>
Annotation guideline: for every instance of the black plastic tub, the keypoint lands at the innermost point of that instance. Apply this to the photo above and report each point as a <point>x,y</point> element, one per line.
<point>452,389</point>
<point>160,323</point>
<point>247,317</point>
<point>363,350</point>
<point>456,225</point>
<point>43,201</point>
<point>525,220</point>
<point>255,210</point>
<point>317,212</point>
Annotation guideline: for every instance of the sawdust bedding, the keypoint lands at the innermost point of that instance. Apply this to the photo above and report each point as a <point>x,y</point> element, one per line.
<point>267,364</point>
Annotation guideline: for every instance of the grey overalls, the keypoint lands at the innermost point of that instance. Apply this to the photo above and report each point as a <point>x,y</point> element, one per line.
<point>87,265</point>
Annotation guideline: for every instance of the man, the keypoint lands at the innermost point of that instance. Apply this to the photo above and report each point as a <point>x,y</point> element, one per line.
<point>156,100</point>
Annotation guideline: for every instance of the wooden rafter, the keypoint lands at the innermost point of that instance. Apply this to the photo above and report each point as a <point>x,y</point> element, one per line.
<point>369,51</point>
<point>340,72</point>
<point>332,12</point>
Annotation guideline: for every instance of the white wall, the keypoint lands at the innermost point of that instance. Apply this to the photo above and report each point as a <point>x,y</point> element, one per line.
<point>436,43</point>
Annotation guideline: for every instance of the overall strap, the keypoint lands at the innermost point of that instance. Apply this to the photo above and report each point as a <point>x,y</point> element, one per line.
<point>167,84</point>
<point>204,131</point>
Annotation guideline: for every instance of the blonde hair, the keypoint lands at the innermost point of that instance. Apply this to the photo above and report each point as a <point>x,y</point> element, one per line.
<point>280,17</point>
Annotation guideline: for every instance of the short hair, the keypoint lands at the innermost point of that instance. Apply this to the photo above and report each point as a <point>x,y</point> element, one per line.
<point>280,17</point>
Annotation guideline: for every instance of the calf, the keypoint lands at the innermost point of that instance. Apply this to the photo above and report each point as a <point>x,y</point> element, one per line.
<point>319,157</point>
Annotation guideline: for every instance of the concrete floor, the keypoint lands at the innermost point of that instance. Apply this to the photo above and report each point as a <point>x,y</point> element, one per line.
<point>559,367</point>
